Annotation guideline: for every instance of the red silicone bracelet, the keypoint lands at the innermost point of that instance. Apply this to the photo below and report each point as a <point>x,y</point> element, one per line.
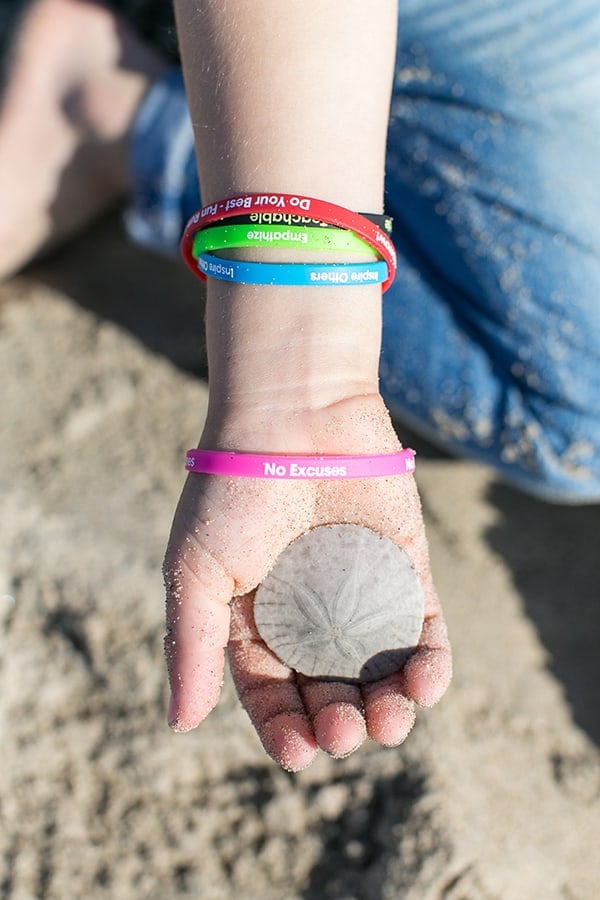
<point>330,213</point>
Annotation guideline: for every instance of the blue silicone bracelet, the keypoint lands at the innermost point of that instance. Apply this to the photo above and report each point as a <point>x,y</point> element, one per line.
<point>336,274</point>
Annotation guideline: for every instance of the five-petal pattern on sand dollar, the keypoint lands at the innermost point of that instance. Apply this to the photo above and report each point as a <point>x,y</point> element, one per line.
<point>341,602</point>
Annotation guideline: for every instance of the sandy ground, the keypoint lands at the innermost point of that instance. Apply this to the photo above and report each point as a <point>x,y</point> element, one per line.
<point>495,794</point>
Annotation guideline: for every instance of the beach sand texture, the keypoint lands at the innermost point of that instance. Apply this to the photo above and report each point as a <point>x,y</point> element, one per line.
<point>496,793</point>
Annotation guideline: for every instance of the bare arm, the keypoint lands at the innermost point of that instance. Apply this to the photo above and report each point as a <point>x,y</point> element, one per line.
<point>289,97</point>
<point>292,96</point>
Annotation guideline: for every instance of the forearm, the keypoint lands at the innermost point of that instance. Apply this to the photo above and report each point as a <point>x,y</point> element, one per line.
<point>290,97</point>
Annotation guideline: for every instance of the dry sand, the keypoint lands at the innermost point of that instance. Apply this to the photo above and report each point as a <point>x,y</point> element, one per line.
<point>495,794</point>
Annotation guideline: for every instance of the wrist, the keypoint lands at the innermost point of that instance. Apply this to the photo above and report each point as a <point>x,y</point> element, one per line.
<point>357,424</point>
<point>278,350</point>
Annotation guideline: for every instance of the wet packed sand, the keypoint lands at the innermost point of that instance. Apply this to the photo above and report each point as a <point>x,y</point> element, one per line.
<point>496,793</point>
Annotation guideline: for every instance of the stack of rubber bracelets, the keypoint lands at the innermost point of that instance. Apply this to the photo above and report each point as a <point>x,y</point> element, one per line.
<point>288,222</point>
<point>291,222</point>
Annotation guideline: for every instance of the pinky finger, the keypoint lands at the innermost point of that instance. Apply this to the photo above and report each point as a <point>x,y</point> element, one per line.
<point>428,672</point>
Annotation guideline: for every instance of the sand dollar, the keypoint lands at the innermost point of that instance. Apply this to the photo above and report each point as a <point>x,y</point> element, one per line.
<point>341,602</point>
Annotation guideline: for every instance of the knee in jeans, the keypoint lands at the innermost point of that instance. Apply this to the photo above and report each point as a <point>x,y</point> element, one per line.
<point>554,455</point>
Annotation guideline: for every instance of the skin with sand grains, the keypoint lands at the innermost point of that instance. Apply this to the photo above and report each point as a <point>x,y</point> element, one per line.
<point>301,380</point>
<point>232,532</point>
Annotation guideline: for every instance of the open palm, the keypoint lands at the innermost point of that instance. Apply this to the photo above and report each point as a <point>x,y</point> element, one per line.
<point>226,535</point>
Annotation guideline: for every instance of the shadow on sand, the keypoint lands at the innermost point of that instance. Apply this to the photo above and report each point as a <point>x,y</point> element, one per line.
<point>553,554</point>
<point>156,300</point>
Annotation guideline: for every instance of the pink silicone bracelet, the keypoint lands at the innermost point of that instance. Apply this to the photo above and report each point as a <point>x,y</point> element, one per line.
<point>258,465</point>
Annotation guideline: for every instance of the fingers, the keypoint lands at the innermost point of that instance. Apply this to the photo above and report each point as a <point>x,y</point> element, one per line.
<point>335,709</point>
<point>390,703</point>
<point>198,593</point>
<point>428,672</point>
<point>390,715</point>
<point>268,692</point>
<point>295,716</point>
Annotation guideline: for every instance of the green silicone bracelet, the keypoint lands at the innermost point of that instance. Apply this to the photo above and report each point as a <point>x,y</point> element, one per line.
<point>224,237</point>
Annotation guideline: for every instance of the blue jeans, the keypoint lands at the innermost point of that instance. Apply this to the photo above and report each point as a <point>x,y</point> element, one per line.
<point>491,338</point>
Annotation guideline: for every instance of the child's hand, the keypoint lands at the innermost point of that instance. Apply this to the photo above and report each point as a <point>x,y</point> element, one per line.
<point>226,536</point>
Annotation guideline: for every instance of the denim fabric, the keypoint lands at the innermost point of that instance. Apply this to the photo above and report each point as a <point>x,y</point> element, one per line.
<point>491,339</point>
<point>163,174</point>
<point>492,329</point>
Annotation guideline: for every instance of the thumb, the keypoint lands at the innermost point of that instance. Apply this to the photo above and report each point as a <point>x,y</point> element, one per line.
<point>198,594</point>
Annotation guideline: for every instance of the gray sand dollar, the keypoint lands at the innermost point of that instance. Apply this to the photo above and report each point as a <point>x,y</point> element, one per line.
<point>341,602</point>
